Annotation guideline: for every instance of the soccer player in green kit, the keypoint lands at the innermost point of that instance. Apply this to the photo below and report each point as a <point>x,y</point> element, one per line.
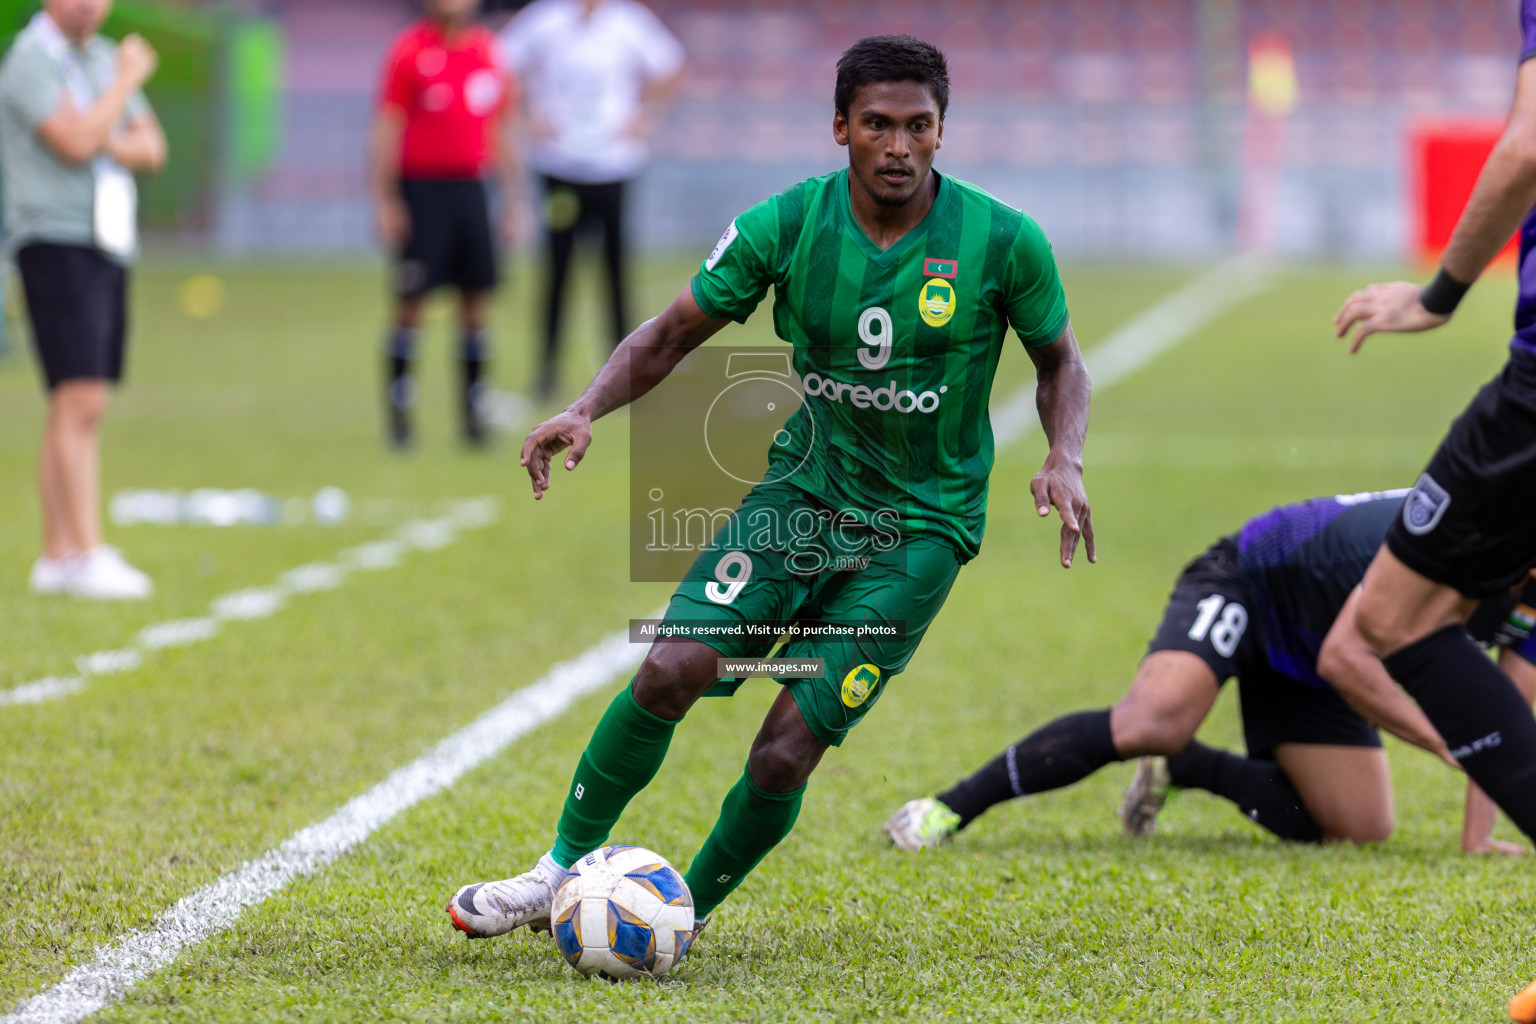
<point>896,286</point>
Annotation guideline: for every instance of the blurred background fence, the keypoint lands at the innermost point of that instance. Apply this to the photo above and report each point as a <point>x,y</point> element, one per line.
<point>1120,124</point>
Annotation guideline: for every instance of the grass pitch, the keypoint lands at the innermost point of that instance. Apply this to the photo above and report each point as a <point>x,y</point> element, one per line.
<point>117,801</point>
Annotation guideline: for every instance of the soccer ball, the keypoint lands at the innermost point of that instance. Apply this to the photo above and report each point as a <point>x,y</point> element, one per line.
<point>622,912</point>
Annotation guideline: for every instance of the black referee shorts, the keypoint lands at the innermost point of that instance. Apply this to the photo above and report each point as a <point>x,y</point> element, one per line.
<point>77,301</point>
<point>1470,521</point>
<point>451,242</point>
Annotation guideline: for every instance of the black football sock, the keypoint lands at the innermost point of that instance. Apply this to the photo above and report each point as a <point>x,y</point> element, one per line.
<point>1480,714</point>
<point>1260,789</point>
<point>1057,754</point>
<point>401,390</point>
<point>474,355</point>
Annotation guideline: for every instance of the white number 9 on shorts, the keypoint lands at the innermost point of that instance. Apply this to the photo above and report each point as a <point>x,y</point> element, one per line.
<point>733,570</point>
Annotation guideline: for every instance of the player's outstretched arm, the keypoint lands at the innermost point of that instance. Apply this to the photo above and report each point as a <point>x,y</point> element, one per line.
<point>640,362</point>
<point>1062,392</point>
<point>1481,813</point>
<point>1351,667</point>
<point>1503,196</point>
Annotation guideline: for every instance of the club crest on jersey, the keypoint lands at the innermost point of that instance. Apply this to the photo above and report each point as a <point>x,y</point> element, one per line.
<point>859,683</point>
<point>936,301</point>
<point>1425,506</point>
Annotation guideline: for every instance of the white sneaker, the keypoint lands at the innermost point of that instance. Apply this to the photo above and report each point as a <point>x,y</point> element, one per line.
<point>49,575</point>
<point>101,574</point>
<point>919,824</point>
<point>495,908</point>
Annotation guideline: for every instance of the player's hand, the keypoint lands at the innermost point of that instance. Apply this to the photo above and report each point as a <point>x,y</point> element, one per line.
<point>393,221</point>
<point>550,438</point>
<point>136,60</point>
<point>1498,846</point>
<point>1393,307</point>
<point>1061,484</point>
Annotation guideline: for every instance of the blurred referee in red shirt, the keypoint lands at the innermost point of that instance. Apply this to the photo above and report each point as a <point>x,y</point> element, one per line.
<point>440,124</point>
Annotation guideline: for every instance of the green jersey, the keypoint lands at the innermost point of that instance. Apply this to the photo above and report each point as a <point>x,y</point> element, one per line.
<point>896,349</point>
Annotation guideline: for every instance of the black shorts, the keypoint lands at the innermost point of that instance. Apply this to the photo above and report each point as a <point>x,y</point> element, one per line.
<point>1208,616</point>
<point>77,301</point>
<point>1207,613</point>
<point>451,241</point>
<point>1277,709</point>
<point>1468,522</point>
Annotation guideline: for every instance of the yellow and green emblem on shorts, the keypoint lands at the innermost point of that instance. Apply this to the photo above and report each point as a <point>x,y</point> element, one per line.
<point>859,683</point>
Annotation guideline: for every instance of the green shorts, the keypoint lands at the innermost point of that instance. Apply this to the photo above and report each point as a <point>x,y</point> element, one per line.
<point>861,579</point>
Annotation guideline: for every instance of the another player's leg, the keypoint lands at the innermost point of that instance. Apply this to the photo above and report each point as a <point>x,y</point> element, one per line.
<point>422,264</point>
<point>1189,658</point>
<point>1415,626</point>
<point>399,357</point>
<point>623,755</point>
<point>1171,695</point>
<point>1347,790</point>
<point>608,202</point>
<point>1465,533</point>
<point>1259,788</point>
<point>96,571</point>
<point>562,212</point>
<point>474,366</point>
<point>476,273</point>
<point>1315,769</point>
<point>49,573</point>
<point>760,810</point>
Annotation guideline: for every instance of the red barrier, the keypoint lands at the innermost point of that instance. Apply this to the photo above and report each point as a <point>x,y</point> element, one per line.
<point>1445,158</point>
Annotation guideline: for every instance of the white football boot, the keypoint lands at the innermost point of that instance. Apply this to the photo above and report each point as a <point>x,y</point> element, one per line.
<point>1145,796</point>
<point>921,823</point>
<point>101,574</point>
<point>49,575</point>
<point>495,908</point>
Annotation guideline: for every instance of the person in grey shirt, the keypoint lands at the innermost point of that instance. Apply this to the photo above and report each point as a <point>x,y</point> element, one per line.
<point>74,128</point>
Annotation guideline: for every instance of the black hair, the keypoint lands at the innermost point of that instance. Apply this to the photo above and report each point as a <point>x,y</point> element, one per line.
<point>891,59</point>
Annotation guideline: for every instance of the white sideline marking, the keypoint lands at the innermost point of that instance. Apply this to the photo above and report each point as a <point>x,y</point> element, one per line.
<point>384,554</point>
<point>1145,337</point>
<point>214,908</point>
<point>178,633</point>
<point>315,576</point>
<point>260,602</point>
<point>208,911</point>
<point>106,662</point>
<point>255,603</point>
<point>44,689</point>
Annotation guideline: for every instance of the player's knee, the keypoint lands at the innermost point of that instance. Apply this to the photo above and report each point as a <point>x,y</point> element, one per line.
<point>779,765</point>
<point>1363,832</point>
<point>1139,730</point>
<point>665,688</point>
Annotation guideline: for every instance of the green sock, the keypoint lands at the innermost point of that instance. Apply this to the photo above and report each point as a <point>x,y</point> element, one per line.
<point>751,823</point>
<point>621,758</point>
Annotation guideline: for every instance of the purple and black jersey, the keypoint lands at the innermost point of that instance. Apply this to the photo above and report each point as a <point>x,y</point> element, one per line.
<point>1299,564</point>
<point>1525,305</point>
